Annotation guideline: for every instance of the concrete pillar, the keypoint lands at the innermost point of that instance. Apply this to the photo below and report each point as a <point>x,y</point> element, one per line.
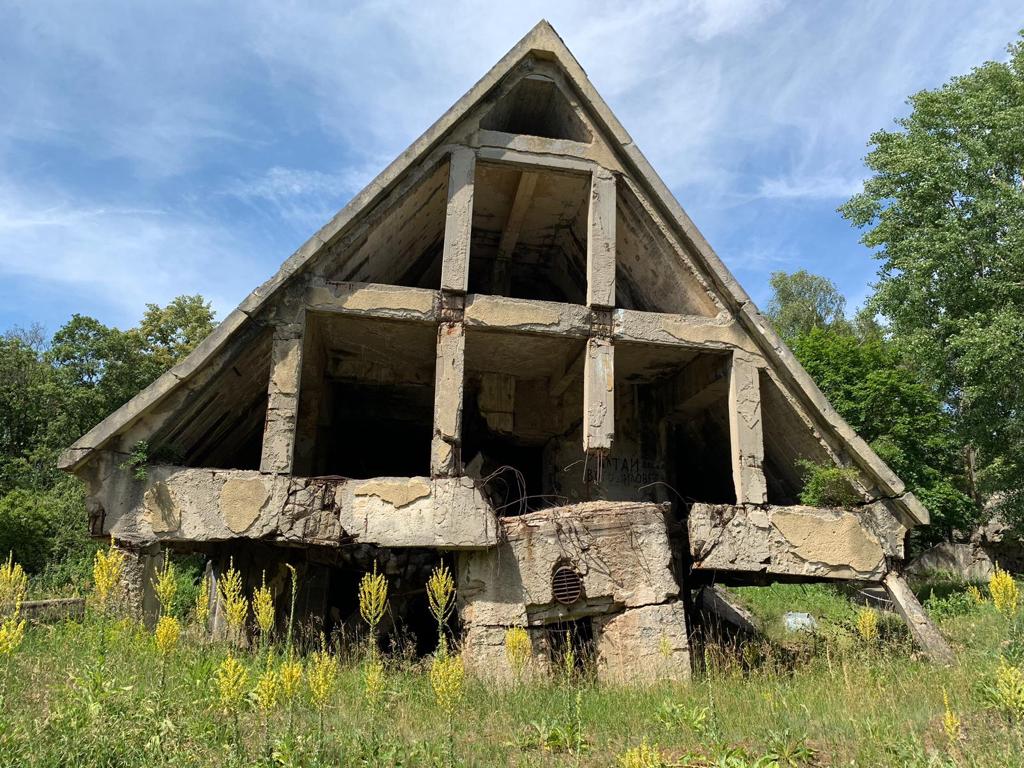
<point>925,633</point>
<point>745,433</point>
<point>449,380</point>
<point>458,224</point>
<point>141,566</point>
<point>598,395</point>
<point>282,399</point>
<point>601,241</point>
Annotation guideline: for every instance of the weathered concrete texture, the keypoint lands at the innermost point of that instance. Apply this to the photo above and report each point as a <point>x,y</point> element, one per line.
<point>622,553</point>
<point>458,220</point>
<point>373,300</point>
<point>791,541</point>
<point>178,504</point>
<point>449,382</point>
<point>141,565</point>
<point>282,400</point>
<point>746,437</point>
<point>719,333</point>
<point>598,395</point>
<point>530,316</point>
<point>925,633</point>
<point>601,241</point>
<point>648,644</point>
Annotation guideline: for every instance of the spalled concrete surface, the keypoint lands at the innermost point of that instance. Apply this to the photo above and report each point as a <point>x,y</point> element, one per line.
<point>458,220</point>
<point>599,396</point>
<point>747,439</point>
<point>601,241</point>
<point>790,541</point>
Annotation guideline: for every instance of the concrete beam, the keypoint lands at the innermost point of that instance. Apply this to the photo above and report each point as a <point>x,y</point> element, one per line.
<point>601,241</point>
<point>449,381</point>
<point>458,224</point>
<point>692,331</point>
<point>745,433</point>
<point>510,234</point>
<point>598,396</point>
<point>925,633</point>
<point>787,541</point>
<point>393,302</point>
<point>702,382</point>
<point>536,160</point>
<point>282,399</point>
<point>527,315</point>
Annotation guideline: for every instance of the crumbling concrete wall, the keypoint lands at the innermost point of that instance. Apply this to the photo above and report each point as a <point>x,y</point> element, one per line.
<point>792,541</point>
<point>622,552</point>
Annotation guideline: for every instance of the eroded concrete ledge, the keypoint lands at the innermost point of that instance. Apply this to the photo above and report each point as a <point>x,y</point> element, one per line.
<point>177,504</point>
<point>787,541</point>
<point>373,300</point>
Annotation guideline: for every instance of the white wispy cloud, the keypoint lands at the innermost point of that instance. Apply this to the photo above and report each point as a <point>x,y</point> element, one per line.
<point>809,187</point>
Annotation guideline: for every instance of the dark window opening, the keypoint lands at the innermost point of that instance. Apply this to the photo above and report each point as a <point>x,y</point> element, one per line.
<point>536,106</point>
<point>574,634</point>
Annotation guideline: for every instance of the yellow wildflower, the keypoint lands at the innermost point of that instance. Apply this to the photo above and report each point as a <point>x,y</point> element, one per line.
<point>167,633</point>
<point>231,679</point>
<point>1008,691</point>
<point>12,632</point>
<point>975,594</point>
<point>202,606</point>
<point>166,585</point>
<point>263,608</point>
<point>867,625</point>
<point>950,720</point>
<point>291,679</point>
<point>268,689</point>
<point>1005,595</point>
<point>518,649</point>
<point>644,756</point>
<point>373,598</point>
<point>441,593</point>
<point>446,676</point>
<point>13,586</point>
<point>321,677</point>
<point>106,573</point>
<point>236,607</point>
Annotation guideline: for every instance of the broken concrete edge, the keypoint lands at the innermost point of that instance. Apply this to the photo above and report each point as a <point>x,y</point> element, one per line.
<point>798,541</point>
<point>180,505</point>
<point>925,633</point>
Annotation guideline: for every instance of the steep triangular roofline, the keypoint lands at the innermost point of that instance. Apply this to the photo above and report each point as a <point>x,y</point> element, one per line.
<point>544,42</point>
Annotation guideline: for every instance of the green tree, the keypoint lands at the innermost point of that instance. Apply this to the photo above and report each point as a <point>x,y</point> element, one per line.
<point>801,302</point>
<point>945,210</point>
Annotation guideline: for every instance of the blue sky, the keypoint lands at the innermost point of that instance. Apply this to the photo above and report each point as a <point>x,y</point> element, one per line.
<point>150,149</point>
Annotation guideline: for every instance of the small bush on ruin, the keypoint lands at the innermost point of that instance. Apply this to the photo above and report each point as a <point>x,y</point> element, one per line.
<point>828,486</point>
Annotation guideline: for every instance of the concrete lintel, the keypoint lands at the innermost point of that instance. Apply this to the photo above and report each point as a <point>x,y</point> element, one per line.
<point>458,222</point>
<point>374,300</point>
<point>540,145</point>
<point>282,400</point>
<point>599,395</point>
<point>449,381</point>
<point>601,241</point>
<point>559,163</point>
<point>787,541</point>
<point>528,315</point>
<point>689,331</point>
<point>746,437</point>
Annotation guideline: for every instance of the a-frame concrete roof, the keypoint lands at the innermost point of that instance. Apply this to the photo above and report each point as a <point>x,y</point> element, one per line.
<point>543,42</point>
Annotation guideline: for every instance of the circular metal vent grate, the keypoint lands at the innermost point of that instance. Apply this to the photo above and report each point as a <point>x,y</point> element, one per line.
<point>566,585</point>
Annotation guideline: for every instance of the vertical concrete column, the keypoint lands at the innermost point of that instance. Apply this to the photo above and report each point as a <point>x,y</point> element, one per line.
<point>138,578</point>
<point>283,398</point>
<point>449,380</point>
<point>601,241</point>
<point>925,633</point>
<point>458,223</point>
<point>745,432</point>
<point>598,395</point>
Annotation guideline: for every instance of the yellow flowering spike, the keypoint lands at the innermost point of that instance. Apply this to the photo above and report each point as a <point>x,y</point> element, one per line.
<point>644,756</point>
<point>321,676</point>
<point>12,632</point>
<point>374,683</point>
<point>13,586</point>
<point>263,608</point>
<point>441,593</point>
<point>867,625</point>
<point>231,680</point>
<point>106,573</point>
<point>166,585</point>
<point>373,598</point>
<point>1005,595</point>
<point>950,720</point>
<point>1008,691</point>
<point>291,679</point>
<point>518,649</point>
<point>202,606</point>
<point>446,677</point>
<point>975,594</point>
<point>268,689</point>
<point>236,607</point>
<point>167,633</point>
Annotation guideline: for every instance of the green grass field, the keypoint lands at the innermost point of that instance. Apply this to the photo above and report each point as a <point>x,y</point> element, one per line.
<point>99,693</point>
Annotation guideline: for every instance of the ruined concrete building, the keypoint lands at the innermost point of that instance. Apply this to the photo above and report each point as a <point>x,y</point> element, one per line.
<point>513,352</point>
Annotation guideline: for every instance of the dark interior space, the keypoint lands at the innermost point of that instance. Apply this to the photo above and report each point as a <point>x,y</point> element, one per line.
<point>535,106</point>
<point>701,457</point>
<point>577,634</point>
<point>384,430</point>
